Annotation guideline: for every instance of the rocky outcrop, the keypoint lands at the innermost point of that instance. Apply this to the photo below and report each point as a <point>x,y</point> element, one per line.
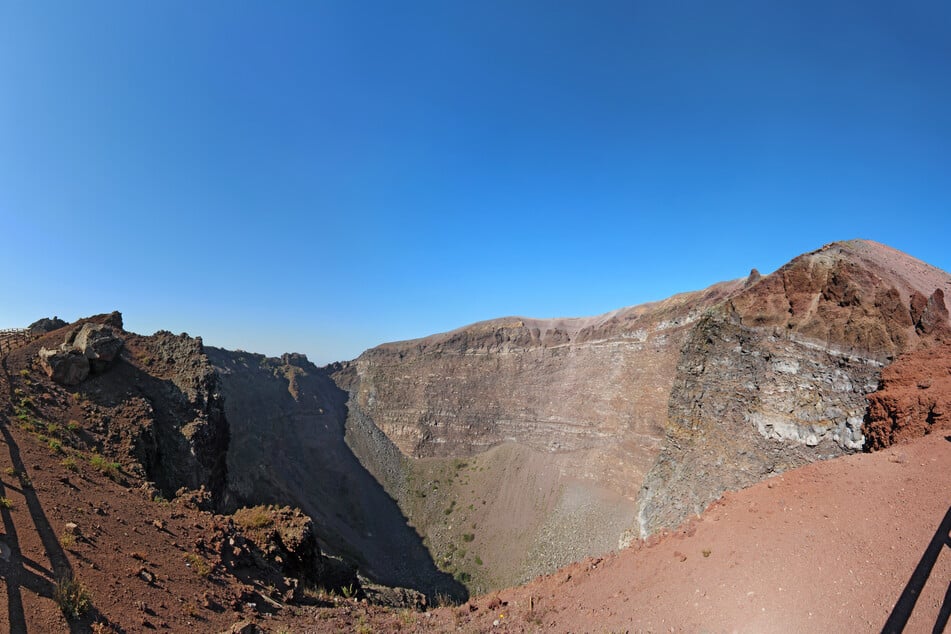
<point>45,325</point>
<point>91,347</point>
<point>776,377</point>
<point>183,434</point>
<point>746,405</point>
<point>930,315</point>
<point>913,399</point>
<point>65,366</point>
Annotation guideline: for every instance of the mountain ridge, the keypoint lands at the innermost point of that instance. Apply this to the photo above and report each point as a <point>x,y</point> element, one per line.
<point>456,464</point>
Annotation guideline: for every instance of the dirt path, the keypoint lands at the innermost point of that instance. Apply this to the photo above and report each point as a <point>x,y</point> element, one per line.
<point>32,560</point>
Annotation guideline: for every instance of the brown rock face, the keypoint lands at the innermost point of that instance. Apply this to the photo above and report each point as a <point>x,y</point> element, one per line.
<point>914,398</point>
<point>776,376</point>
<point>689,397</point>
<point>560,418</point>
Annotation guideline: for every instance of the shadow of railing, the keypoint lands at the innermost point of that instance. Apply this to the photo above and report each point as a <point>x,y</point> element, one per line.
<point>898,619</point>
<point>20,572</point>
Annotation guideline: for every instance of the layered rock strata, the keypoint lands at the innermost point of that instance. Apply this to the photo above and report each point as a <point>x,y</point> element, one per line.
<point>777,375</point>
<point>655,409</point>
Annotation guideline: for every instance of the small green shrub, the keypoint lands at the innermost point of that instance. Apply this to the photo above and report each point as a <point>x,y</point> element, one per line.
<point>72,597</point>
<point>468,537</point>
<point>198,564</point>
<point>103,466</point>
<point>69,464</point>
<point>6,503</point>
<point>67,540</point>
<point>56,447</point>
<point>73,426</point>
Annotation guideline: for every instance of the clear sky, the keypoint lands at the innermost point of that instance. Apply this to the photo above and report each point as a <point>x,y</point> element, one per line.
<point>325,176</point>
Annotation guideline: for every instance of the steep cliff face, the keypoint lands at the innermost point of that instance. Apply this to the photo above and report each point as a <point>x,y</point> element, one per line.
<point>648,413</point>
<point>287,447</point>
<point>570,411</point>
<point>183,434</point>
<point>155,405</point>
<point>776,376</point>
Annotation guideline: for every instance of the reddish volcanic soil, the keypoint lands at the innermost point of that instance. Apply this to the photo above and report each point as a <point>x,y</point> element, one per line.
<point>826,548</point>
<point>914,398</point>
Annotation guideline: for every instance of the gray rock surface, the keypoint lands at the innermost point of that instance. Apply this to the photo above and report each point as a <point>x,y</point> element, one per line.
<point>91,348</point>
<point>64,365</point>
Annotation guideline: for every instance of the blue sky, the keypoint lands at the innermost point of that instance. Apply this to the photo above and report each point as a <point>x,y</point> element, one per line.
<point>326,176</point>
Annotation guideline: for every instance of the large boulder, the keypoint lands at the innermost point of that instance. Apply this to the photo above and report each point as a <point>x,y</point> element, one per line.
<point>99,344</point>
<point>91,348</point>
<point>65,365</point>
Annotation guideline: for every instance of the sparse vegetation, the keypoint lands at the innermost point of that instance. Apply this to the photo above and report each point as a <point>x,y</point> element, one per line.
<point>103,466</point>
<point>198,564</point>
<point>6,503</point>
<point>468,537</point>
<point>73,426</point>
<point>67,540</point>
<point>69,463</point>
<point>254,517</point>
<point>53,429</point>
<point>407,617</point>
<point>56,447</point>
<point>706,552</point>
<point>319,593</point>
<point>72,597</point>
